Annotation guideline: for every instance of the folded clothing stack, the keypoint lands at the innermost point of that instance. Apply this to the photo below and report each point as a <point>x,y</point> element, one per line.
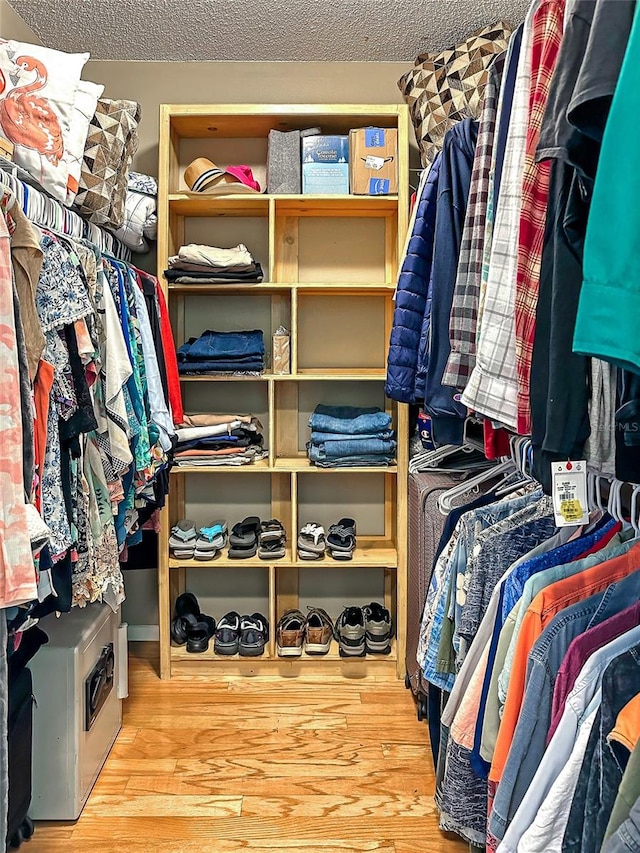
<point>210,440</point>
<point>222,353</point>
<point>196,264</point>
<point>349,437</point>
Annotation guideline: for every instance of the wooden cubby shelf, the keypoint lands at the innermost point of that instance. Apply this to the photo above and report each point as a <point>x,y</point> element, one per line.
<point>330,265</point>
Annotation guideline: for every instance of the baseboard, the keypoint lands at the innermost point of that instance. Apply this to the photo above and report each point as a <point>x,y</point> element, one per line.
<point>143,633</point>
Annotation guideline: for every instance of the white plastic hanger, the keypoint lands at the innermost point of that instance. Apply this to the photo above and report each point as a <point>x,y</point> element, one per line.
<point>447,499</point>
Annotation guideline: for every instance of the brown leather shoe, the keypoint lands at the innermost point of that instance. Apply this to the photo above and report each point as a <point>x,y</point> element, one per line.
<point>319,631</point>
<point>290,634</point>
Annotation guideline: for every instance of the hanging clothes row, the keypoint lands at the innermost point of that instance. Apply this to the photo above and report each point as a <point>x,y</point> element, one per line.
<point>508,304</point>
<point>532,636</point>
<point>517,301</point>
<point>90,390</point>
<point>43,210</point>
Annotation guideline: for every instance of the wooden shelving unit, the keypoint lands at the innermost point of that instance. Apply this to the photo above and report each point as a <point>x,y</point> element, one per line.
<point>330,265</point>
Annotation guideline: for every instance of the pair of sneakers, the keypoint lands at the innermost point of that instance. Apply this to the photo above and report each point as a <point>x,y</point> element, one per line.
<point>364,630</point>
<point>296,631</point>
<point>243,635</point>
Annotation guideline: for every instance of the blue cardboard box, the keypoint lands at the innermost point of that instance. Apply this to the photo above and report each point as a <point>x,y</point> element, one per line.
<point>325,165</point>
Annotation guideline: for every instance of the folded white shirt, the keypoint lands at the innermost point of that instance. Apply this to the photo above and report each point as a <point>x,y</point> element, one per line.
<point>191,433</point>
<point>213,256</point>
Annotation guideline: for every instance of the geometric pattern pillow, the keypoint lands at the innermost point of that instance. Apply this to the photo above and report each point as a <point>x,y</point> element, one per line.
<point>447,87</point>
<point>112,140</point>
<point>38,88</point>
<point>83,111</point>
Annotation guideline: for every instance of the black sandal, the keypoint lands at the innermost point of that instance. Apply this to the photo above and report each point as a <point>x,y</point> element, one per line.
<point>244,534</point>
<point>342,539</point>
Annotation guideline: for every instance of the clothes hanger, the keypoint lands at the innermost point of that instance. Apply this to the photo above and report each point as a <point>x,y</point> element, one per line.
<point>446,499</point>
<point>635,512</point>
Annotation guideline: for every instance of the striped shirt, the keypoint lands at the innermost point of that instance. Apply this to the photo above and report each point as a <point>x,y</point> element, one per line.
<point>464,311</point>
<point>546,39</point>
<point>493,389</point>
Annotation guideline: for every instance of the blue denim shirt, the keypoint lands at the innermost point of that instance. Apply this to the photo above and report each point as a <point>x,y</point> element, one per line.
<point>472,524</point>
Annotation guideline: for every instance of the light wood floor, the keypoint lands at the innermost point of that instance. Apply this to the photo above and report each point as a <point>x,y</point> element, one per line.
<point>259,764</point>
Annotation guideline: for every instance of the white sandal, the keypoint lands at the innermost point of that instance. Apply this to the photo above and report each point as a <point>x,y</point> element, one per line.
<point>311,538</point>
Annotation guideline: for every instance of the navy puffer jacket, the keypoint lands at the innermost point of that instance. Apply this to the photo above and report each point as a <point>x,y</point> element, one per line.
<point>413,297</point>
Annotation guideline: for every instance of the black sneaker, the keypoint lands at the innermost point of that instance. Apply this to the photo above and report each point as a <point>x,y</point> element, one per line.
<point>378,629</point>
<point>254,633</point>
<point>350,630</point>
<point>227,638</point>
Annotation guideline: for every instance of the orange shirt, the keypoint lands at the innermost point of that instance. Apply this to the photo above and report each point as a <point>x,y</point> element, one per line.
<point>627,728</point>
<point>547,603</point>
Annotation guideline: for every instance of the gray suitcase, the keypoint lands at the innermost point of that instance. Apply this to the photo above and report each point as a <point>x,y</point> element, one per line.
<point>426,523</point>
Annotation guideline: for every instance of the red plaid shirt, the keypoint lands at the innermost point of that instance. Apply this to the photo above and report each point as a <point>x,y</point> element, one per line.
<point>547,36</point>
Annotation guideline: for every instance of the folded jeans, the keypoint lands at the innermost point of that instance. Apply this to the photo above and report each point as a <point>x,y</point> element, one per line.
<point>349,419</point>
<point>353,447</point>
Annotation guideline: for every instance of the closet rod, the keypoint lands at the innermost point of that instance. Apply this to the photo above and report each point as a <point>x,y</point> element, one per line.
<point>60,218</point>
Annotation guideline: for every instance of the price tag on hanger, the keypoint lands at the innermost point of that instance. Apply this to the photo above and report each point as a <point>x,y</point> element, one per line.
<point>569,492</point>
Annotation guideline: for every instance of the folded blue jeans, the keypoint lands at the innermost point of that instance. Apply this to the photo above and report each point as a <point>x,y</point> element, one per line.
<point>355,462</point>
<point>228,345</point>
<point>317,436</point>
<point>349,420</point>
<point>221,366</point>
<point>354,447</point>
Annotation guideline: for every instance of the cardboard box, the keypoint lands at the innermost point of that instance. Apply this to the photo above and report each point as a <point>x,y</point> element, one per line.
<point>325,165</point>
<point>373,160</point>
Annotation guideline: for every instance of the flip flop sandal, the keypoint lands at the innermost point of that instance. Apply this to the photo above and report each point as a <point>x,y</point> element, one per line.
<point>236,553</point>
<point>271,550</point>
<point>179,554</point>
<point>341,555</point>
<point>311,538</point>
<point>244,534</point>
<point>303,554</point>
<point>271,531</point>
<point>212,538</point>
<point>210,541</point>
<point>183,535</point>
<point>342,536</point>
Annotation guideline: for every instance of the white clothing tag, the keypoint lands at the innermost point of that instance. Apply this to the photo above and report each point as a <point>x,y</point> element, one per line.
<point>372,162</point>
<point>569,492</point>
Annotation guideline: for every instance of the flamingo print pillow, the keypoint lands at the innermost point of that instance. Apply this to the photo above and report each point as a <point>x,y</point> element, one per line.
<point>38,93</point>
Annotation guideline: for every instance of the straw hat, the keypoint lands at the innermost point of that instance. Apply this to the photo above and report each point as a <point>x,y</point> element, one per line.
<point>203,176</point>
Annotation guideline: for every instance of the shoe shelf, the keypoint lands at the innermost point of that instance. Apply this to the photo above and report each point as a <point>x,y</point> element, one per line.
<point>330,266</point>
<point>366,555</point>
<point>184,663</point>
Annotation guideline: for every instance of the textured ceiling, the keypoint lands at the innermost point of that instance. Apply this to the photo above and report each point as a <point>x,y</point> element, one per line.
<point>260,30</point>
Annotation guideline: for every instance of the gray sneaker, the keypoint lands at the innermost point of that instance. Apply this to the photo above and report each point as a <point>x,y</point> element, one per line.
<point>378,629</point>
<point>350,631</point>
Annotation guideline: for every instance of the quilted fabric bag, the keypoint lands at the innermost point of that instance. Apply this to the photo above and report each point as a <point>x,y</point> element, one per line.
<point>112,140</point>
<point>445,88</point>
